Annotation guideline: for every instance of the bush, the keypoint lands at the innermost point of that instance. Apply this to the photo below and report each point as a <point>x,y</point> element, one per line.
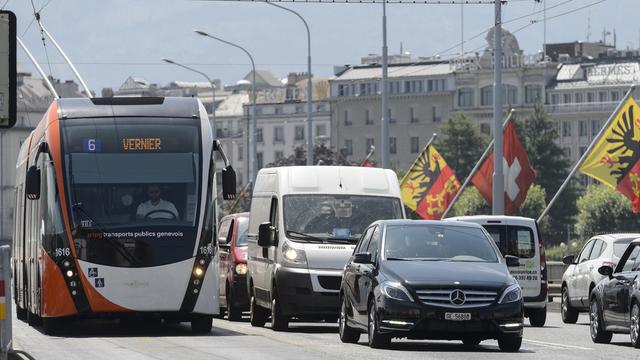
<point>603,210</point>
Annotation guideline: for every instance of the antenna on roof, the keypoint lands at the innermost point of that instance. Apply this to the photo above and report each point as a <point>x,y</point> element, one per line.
<point>589,26</point>
<point>35,63</point>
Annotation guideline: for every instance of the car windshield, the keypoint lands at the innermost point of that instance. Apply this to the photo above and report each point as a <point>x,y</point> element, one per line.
<point>438,243</point>
<point>243,227</point>
<point>335,217</point>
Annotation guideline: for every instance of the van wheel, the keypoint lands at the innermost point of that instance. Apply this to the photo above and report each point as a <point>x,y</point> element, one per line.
<point>537,317</point>
<point>279,322</point>
<point>258,316</point>
<point>202,324</point>
<point>569,313</point>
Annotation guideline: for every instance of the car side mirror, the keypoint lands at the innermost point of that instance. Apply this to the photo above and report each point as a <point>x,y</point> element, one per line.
<point>512,260</point>
<point>362,258</point>
<point>32,183</point>
<point>228,183</point>
<point>569,260</point>
<point>605,270</point>
<point>266,234</point>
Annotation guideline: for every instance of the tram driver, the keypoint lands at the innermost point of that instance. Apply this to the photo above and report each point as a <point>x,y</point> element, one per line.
<point>156,207</point>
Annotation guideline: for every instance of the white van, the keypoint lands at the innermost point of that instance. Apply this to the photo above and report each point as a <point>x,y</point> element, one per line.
<point>303,227</point>
<point>520,236</point>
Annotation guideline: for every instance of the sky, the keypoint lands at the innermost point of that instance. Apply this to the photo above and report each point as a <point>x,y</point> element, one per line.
<point>110,40</point>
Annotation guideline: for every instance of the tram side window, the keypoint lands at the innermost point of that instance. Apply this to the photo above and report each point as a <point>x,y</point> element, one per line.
<point>51,212</point>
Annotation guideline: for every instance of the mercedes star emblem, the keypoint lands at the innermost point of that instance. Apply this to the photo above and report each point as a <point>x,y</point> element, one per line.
<point>457,297</point>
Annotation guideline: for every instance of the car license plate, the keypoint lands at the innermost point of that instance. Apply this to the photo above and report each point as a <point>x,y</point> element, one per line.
<point>457,316</point>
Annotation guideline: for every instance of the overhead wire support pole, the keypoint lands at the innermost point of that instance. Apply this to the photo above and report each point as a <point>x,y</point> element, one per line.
<point>309,84</point>
<point>35,63</point>
<point>68,61</point>
<point>586,152</point>
<point>474,170</point>
<point>384,92</point>
<point>498,176</point>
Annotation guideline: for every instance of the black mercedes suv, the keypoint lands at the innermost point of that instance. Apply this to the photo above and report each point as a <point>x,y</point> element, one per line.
<point>430,280</point>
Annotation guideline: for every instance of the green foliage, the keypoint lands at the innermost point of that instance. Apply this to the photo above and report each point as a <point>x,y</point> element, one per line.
<point>603,210</point>
<point>470,202</point>
<point>461,144</point>
<point>321,153</point>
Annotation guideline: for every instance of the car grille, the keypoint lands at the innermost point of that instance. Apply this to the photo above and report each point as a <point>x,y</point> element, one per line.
<point>442,298</point>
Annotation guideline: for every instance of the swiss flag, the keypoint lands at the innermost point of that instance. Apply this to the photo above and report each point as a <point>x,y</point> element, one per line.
<point>367,163</point>
<point>518,173</point>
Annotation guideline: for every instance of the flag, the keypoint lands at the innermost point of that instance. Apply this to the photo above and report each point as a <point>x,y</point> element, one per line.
<point>518,173</point>
<point>613,159</point>
<point>429,185</point>
<point>367,163</point>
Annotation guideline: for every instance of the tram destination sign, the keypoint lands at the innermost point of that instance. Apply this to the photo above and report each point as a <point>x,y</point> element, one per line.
<point>7,69</point>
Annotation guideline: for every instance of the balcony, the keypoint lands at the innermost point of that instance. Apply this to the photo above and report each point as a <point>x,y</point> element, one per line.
<point>605,106</point>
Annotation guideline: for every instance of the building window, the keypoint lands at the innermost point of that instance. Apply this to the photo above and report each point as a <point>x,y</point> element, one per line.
<point>347,121</point>
<point>532,94</point>
<point>278,134</point>
<point>579,98</point>
<point>595,127</point>
<point>602,96</point>
<point>348,146</point>
<point>259,135</point>
<point>591,97</point>
<point>582,128</point>
<point>412,115</point>
<point>465,97</point>
<point>299,133</point>
<point>369,145</point>
<point>240,151</point>
<point>363,89</point>
<point>341,90</point>
<point>566,129</point>
<point>566,99</point>
<point>435,85</point>
<point>392,145</point>
<point>320,107</point>
<point>486,96</point>
<point>367,118</point>
<point>615,96</point>
<point>555,99</point>
<point>299,109</point>
<point>510,94</point>
<point>391,119</point>
<point>278,155</point>
<point>435,114</point>
<point>321,130</point>
<point>485,128</point>
<point>415,144</point>
<point>277,110</point>
<point>259,161</point>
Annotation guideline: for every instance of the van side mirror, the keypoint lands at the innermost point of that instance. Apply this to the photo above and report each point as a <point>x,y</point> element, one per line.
<point>605,270</point>
<point>228,183</point>
<point>569,260</point>
<point>512,260</point>
<point>362,258</point>
<point>266,234</point>
<point>32,183</point>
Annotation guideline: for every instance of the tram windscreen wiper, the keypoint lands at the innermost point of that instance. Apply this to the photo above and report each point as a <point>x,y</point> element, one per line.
<point>118,246</point>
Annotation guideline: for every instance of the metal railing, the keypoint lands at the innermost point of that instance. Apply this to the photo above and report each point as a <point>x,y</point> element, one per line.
<point>604,106</point>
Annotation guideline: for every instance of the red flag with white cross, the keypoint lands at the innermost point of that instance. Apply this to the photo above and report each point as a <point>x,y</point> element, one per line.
<point>518,173</point>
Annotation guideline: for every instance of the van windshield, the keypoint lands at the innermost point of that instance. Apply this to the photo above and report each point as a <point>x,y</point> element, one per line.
<point>335,218</point>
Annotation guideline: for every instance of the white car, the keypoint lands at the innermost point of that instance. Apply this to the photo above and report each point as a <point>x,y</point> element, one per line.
<point>582,274</point>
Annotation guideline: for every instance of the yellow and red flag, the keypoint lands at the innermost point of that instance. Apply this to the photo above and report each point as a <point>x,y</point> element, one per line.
<point>429,185</point>
<point>614,158</point>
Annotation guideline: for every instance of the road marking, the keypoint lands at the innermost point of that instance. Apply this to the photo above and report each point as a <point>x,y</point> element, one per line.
<point>555,345</point>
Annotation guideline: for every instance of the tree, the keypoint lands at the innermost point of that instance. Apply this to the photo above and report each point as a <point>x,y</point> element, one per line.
<point>461,144</point>
<point>470,202</point>
<point>538,133</point>
<point>603,210</point>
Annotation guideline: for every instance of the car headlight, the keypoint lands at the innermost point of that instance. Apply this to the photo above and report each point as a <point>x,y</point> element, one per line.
<point>294,256</point>
<point>395,290</point>
<point>511,294</point>
<point>241,269</point>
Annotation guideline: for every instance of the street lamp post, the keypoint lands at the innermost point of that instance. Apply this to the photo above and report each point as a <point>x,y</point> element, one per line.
<point>213,92</point>
<point>252,124</point>
<point>385,95</point>
<point>309,86</point>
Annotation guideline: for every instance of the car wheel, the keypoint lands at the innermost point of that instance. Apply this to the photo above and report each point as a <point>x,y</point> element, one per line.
<point>634,330</point>
<point>471,341</point>
<point>257,317</point>
<point>568,312</point>
<point>537,317</point>
<point>202,324</point>
<point>377,340</point>
<point>598,333</point>
<point>510,343</point>
<point>347,333</point>
<point>279,322</point>
<point>233,312</point>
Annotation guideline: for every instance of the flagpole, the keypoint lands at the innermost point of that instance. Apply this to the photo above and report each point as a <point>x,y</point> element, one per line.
<point>433,137</point>
<point>586,153</point>
<point>475,169</point>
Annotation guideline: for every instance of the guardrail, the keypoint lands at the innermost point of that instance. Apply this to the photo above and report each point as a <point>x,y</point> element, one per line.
<point>5,302</point>
<point>555,269</point>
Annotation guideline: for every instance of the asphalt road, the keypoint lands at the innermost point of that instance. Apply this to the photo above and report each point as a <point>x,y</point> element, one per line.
<point>97,340</point>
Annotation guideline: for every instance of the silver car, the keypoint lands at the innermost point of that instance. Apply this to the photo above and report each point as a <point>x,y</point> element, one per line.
<point>582,274</point>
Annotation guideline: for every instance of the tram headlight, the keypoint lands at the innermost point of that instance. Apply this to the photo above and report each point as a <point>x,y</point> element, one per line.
<point>241,269</point>
<point>69,273</point>
<point>198,271</point>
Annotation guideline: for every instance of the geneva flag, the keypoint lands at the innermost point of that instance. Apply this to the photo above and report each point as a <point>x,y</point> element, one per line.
<point>518,173</point>
<point>613,159</point>
<point>429,185</point>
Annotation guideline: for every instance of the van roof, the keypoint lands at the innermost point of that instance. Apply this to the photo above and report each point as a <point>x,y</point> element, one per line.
<point>496,219</point>
<point>352,180</point>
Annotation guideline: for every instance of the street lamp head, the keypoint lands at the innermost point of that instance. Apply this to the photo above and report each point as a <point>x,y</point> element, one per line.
<point>200,32</point>
<point>168,61</point>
